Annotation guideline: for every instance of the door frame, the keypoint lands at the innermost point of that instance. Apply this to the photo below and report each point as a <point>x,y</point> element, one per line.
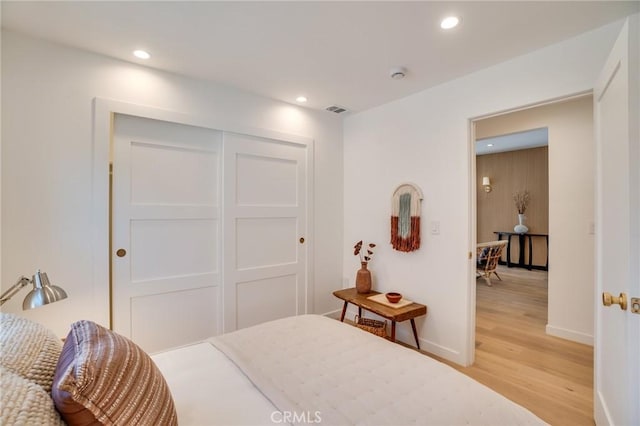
<point>473,210</point>
<point>103,112</point>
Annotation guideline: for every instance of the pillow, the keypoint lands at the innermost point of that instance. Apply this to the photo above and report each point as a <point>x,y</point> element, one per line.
<point>28,349</point>
<point>24,402</point>
<point>104,378</point>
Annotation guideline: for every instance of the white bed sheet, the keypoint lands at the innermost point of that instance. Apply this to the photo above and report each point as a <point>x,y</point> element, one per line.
<point>208,389</point>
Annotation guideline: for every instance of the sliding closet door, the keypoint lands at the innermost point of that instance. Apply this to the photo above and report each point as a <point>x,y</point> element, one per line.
<point>166,236</point>
<point>265,207</point>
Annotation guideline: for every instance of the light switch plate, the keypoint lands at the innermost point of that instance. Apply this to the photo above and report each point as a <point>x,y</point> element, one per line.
<point>435,227</point>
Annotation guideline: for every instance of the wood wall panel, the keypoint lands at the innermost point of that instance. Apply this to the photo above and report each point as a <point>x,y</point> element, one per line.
<point>510,172</point>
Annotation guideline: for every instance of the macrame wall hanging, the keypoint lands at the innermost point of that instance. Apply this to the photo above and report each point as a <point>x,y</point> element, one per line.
<point>405,217</point>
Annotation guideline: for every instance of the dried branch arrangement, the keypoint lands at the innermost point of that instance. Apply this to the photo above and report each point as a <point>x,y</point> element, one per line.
<point>365,254</point>
<point>521,199</point>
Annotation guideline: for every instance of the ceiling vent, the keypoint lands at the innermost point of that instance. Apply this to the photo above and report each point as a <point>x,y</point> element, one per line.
<point>335,108</point>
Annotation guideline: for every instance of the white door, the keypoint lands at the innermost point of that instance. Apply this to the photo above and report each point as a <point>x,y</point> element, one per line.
<point>265,209</point>
<point>166,232</point>
<point>617,339</point>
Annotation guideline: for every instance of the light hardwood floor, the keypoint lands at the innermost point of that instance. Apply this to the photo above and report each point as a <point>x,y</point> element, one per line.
<point>551,377</point>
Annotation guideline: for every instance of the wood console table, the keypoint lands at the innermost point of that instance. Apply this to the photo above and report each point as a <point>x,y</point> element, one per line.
<point>521,240</point>
<point>409,312</point>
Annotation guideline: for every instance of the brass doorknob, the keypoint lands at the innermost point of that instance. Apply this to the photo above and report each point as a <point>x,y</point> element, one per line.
<point>301,240</point>
<point>608,299</point>
<point>121,253</point>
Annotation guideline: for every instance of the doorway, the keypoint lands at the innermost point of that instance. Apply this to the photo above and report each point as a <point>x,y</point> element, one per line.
<point>571,171</point>
<point>551,376</point>
<point>514,166</point>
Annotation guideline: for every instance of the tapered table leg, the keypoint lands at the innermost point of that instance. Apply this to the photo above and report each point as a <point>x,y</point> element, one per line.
<point>415,332</point>
<point>344,311</point>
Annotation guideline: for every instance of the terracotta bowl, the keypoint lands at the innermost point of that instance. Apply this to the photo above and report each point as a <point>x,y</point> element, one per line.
<point>393,297</point>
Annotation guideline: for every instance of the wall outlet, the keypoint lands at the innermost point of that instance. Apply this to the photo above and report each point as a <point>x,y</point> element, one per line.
<point>592,228</point>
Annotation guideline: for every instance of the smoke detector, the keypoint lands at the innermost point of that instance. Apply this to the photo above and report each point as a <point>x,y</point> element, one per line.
<point>397,73</point>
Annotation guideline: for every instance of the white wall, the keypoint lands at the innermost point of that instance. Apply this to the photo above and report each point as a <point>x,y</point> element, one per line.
<point>424,139</point>
<point>47,159</point>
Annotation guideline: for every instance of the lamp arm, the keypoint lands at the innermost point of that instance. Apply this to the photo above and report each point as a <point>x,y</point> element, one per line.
<point>22,281</point>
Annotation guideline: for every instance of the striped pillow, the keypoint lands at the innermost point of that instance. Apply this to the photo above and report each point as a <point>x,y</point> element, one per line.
<point>104,378</point>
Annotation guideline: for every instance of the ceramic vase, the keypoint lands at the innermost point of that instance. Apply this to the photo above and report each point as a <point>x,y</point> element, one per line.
<point>363,279</point>
<point>520,228</point>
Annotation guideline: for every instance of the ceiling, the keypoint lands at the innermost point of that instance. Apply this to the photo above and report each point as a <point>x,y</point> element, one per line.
<point>514,141</point>
<point>334,53</point>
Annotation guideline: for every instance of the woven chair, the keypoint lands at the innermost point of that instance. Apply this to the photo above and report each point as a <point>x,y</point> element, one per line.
<point>488,255</point>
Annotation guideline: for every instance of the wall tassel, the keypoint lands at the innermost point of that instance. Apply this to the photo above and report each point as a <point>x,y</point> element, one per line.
<point>405,218</point>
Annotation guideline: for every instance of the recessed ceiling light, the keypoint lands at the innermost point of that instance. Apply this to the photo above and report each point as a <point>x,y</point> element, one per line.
<point>449,22</point>
<point>141,54</point>
<point>301,99</point>
<point>489,144</point>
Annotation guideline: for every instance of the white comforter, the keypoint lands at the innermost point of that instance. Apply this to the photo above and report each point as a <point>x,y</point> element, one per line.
<point>318,370</point>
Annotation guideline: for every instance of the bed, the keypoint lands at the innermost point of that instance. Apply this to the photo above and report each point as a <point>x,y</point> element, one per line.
<point>302,370</point>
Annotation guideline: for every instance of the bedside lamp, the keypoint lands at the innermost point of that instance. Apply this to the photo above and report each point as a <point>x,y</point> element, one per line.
<point>43,291</point>
<point>486,182</point>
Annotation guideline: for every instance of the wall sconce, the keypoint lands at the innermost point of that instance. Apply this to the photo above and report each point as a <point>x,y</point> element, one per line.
<point>486,182</point>
<point>43,291</point>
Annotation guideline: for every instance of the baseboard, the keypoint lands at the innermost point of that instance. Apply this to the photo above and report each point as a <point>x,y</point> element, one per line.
<point>404,334</point>
<point>572,335</point>
<point>441,351</point>
<point>601,411</point>
<point>332,314</point>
